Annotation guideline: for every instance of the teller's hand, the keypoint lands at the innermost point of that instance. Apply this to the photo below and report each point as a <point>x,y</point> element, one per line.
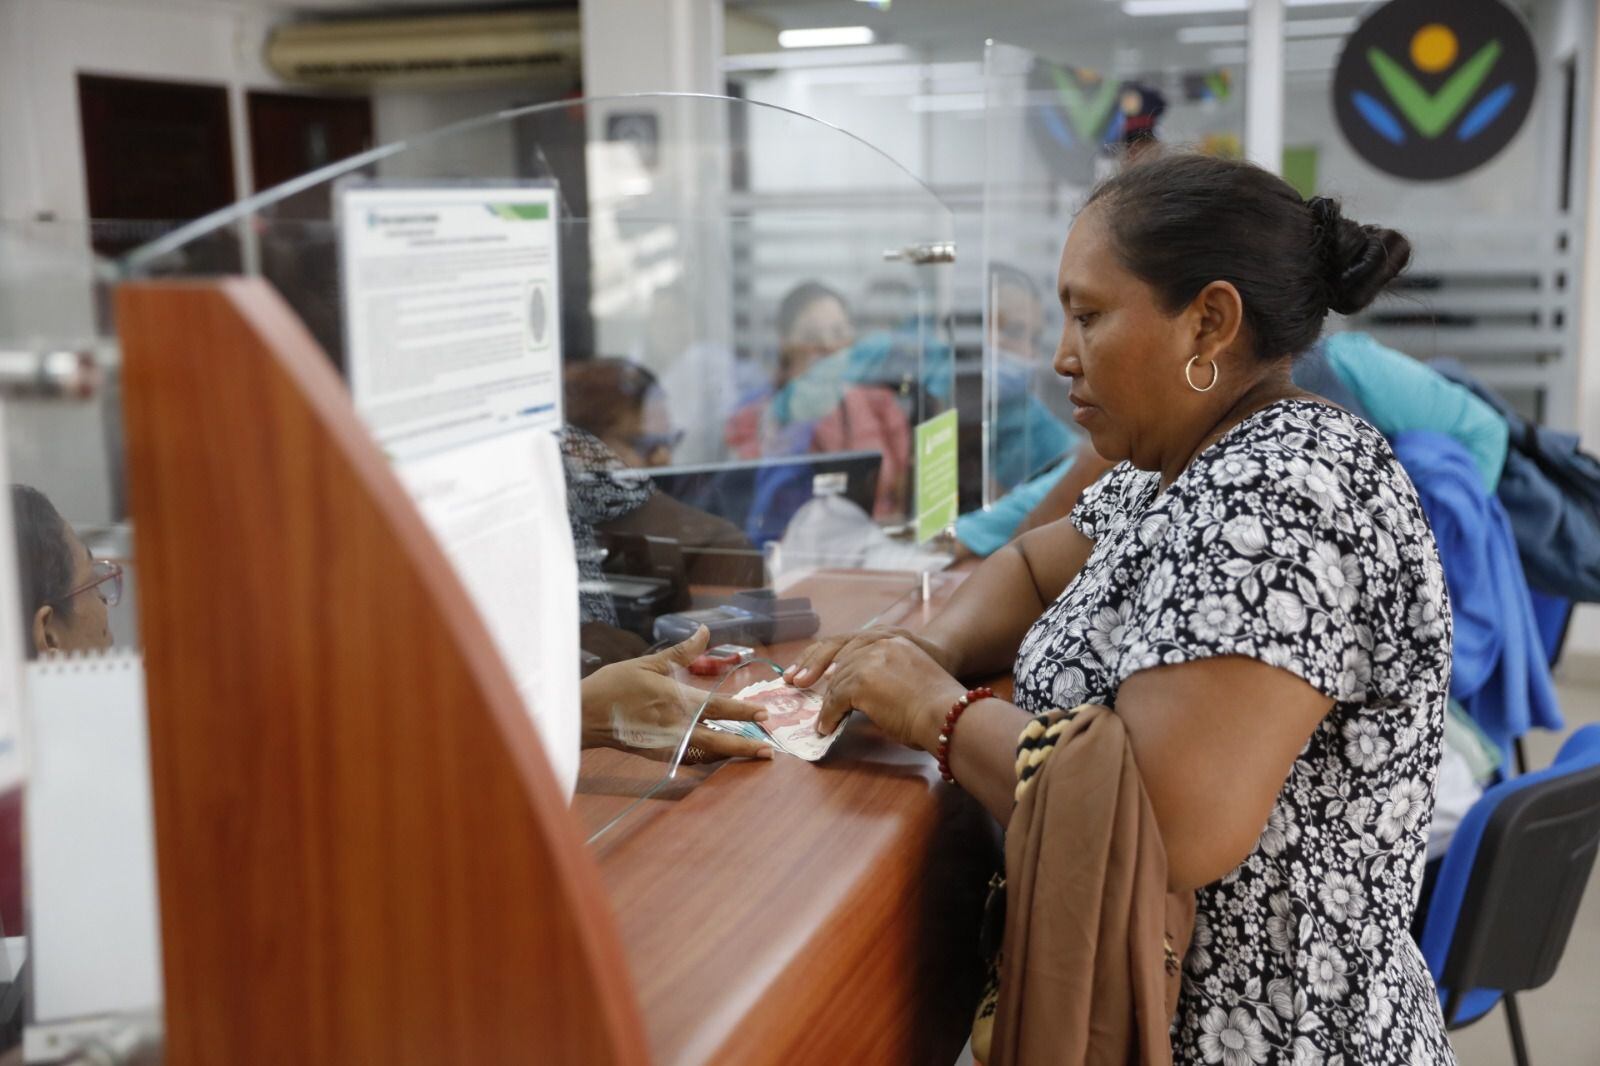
<point>640,706</point>
<point>895,682</point>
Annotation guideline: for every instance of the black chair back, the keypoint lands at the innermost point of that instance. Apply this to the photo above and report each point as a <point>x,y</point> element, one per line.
<point>1527,880</point>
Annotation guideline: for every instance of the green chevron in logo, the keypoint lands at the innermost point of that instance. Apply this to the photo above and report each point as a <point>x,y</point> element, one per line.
<point>1087,114</point>
<point>1432,113</point>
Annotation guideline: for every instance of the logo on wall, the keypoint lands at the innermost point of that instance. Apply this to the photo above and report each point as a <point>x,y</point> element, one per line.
<point>1431,89</point>
<point>1076,113</point>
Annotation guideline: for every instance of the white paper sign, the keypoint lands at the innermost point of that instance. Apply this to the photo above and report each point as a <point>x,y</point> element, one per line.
<point>452,310</point>
<point>92,920</point>
<point>499,508</point>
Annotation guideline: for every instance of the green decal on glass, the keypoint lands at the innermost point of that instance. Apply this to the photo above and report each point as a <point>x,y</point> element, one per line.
<point>522,212</point>
<point>938,490</point>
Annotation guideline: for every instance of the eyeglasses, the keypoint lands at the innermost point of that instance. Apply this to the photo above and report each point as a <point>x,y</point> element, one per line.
<point>106,582</point>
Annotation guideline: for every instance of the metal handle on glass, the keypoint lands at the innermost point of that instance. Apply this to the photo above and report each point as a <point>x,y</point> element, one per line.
<point>923,254</point>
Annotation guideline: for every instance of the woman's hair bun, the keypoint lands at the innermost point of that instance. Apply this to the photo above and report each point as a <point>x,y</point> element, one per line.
<point>1357,261</point>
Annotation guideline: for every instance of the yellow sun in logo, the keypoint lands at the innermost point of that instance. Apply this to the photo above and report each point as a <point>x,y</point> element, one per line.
<point>1434,48</point>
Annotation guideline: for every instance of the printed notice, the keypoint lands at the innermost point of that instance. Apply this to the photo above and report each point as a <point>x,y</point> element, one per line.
<point>498,508</point>
<point>452,311</point>
<point>937,476</point>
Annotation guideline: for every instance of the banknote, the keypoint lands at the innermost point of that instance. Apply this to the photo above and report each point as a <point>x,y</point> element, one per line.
<point>791,717</point>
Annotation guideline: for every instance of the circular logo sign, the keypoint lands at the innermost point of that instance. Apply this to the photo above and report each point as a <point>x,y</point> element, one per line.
<point>1430,89</point>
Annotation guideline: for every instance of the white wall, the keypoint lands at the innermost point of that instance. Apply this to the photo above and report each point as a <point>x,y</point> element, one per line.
<point>399,114</point>
<point>46,44</point>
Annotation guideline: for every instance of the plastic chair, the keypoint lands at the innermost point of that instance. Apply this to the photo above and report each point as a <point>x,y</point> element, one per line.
<point>1510,887</point>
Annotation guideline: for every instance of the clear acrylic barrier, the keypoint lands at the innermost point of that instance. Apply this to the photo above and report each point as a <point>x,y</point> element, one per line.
<point>722,403</point>
<point>720,399</point>
<point>1052,129</point>
<point>82,972</point>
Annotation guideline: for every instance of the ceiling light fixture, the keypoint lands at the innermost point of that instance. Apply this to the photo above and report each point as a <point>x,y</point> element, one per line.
<point>826,37</point>
<point>1233,33</point>
<point>807,58</point>
<point>1144,8</point>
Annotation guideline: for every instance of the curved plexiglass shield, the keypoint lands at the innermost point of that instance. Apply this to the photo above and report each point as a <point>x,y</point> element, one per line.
<point>632,360</point>
<point>672,287</point>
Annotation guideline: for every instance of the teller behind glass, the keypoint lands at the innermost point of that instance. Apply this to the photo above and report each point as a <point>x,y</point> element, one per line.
<point>1254,592</point>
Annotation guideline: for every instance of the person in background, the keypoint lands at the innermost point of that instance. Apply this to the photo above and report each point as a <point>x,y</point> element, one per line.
<point>65,591</point>
<point>819,403</point>
<point>1035,457</point>
<point>64,594</point>
<point>813,323</point>
<point>1253,590</point>
<point>1142,108</point>
<point>622,404</point>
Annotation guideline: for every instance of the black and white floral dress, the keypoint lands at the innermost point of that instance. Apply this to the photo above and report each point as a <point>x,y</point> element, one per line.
<point>1295,539</point>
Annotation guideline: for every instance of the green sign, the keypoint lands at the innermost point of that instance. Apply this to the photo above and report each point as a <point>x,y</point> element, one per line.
<point>937,482</point>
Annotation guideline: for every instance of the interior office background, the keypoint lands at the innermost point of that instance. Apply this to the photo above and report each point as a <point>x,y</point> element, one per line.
<point>916,92</point>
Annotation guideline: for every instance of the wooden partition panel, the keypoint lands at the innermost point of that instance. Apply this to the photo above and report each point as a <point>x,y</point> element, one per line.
<point>363,856</point>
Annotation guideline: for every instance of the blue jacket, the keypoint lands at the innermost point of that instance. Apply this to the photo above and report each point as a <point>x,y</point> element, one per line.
<point>1500,672</point>
<point>1551,490</point>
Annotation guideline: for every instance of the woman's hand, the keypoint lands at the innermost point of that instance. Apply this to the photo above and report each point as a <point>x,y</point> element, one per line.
<point>894,681</point>
<point>640,706</point>
<point>808,669</point>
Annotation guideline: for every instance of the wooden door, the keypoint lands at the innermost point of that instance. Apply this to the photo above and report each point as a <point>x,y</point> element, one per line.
<point>291,135</point>
<point>157,153</point>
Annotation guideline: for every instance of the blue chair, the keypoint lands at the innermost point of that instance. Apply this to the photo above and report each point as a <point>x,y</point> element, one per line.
<point>1510,886</point>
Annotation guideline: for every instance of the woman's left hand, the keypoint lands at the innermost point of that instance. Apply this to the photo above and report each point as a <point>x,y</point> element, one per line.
<point>897,685</point>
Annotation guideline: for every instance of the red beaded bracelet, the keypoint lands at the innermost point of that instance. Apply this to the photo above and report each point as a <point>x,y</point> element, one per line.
<point>949,729</point>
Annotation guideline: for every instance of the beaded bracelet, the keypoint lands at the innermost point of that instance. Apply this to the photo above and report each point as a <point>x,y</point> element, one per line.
<point>956,711</point>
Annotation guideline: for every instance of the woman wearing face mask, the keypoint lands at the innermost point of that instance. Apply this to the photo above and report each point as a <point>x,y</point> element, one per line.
<point>818,403</point>
<point>1255,594</point>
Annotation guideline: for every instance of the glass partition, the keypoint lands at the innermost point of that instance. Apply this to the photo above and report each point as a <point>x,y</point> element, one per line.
<point>77,889</point>
<point>735,436</point>
<point>1052,128</point>
<point>730,424</point>
<point>735,420</point>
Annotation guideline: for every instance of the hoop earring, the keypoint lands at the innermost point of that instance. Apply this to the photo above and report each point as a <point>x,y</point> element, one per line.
<point>1188,369</point>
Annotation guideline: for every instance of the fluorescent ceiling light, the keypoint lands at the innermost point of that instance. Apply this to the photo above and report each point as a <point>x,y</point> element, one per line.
<point>1235,34</point>
<point>1301,55</point>
<point>1211,35</point>
<point>949,102</point>
<point>826,37</point>
<point>1143,8</point>
<point>1140,8</point>
<point>817,57</point>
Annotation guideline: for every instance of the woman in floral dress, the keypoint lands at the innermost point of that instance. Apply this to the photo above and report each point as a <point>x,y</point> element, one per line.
<point>1253,589</point>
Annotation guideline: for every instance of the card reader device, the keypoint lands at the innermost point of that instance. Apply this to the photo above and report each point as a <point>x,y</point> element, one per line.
<point>757,616</point>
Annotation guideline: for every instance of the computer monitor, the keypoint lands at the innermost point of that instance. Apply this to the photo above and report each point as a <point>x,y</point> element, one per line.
<point>761,496</point>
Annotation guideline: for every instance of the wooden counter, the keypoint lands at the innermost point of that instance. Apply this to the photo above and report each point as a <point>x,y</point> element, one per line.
<point>794,912</point>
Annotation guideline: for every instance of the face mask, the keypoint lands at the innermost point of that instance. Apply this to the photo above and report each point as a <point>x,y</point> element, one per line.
<point>1013,377</point>
<point>816,393</point>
